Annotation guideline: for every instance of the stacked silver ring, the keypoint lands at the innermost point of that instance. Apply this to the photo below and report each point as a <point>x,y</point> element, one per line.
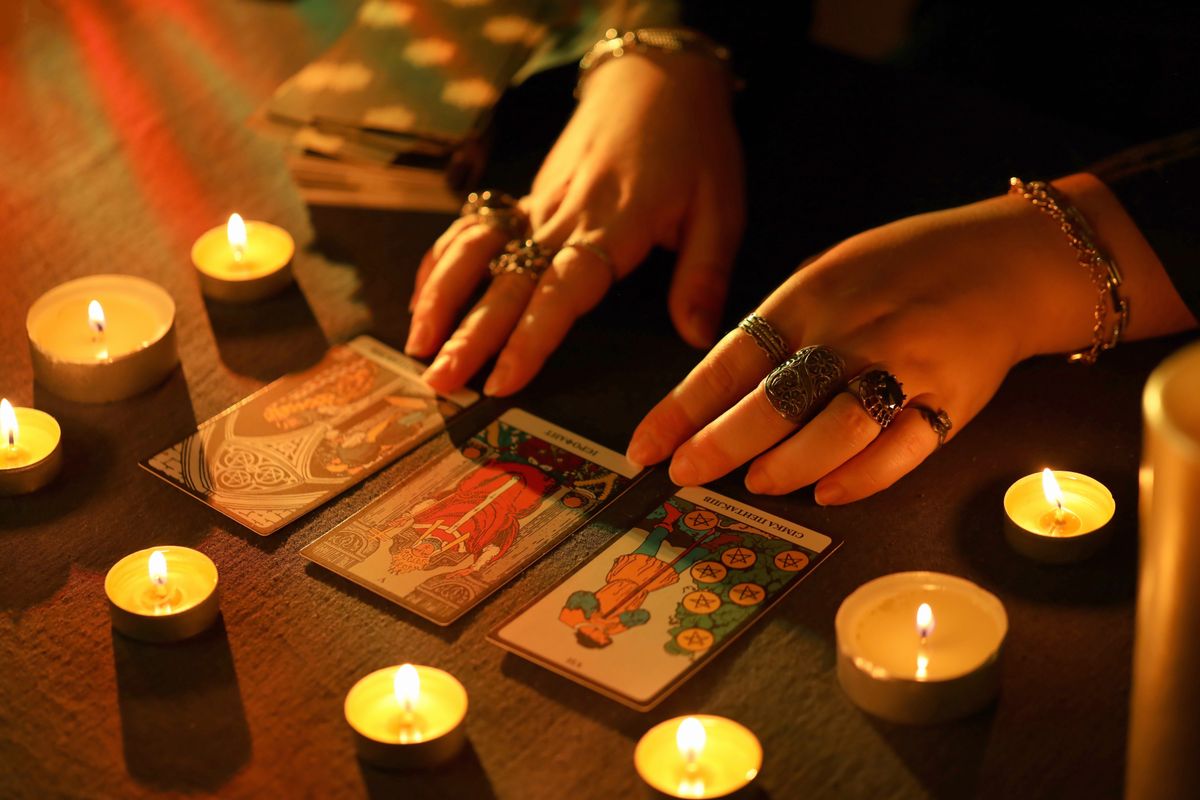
<point>766,337</point>
<point>804,383</point>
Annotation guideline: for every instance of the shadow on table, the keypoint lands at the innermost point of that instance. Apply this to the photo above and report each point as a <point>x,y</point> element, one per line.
<point>462,777</point>
<point>267,338</point>
<point>183,727</point>
<point>1105,579</point>
<point>947,759</point>
<point>101,446</point>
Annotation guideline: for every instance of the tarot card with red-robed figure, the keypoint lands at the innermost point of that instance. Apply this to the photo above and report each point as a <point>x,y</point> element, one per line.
<point>664,598</point>
<point>458,528</point>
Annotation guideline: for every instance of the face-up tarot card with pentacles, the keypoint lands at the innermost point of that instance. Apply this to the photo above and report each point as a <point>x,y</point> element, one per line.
<point>459,526</point>
<point>661,600</point>
<point>305,438</point>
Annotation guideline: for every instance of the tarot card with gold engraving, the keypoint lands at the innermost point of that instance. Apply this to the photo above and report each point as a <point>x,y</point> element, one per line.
<point>661,600</point>
<point>305,438</point>
<point>463,523</point>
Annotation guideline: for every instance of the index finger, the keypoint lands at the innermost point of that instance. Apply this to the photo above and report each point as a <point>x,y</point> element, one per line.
<point>728,373</point>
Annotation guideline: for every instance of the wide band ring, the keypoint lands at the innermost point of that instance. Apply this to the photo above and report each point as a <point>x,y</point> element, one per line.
<point>497,210</point>
<point>938,419</point>
<point>879,393</point>
<point>579,243</point>
<point>766,337</point>
<point>524,257</point>
<point>804,382</point>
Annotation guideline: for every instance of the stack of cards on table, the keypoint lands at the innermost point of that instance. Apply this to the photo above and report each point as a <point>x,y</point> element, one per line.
<point>461,520</point>
<point>390,116</point>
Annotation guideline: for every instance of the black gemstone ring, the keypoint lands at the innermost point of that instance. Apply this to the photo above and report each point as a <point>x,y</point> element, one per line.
<point>804,383</point>
<point>880,395</point>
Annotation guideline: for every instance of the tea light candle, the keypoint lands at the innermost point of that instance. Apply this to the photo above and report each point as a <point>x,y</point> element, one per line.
<point>30,452</point>
<point>407,716</point>
<point>1058,517</point>
<point>698,757</point>
<point>240,261</point>
<point>920,647</point>
<point>102,338</point>
<point>162,594</point>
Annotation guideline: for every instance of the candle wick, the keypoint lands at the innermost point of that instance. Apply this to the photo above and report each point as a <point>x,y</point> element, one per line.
<point>12,440</point>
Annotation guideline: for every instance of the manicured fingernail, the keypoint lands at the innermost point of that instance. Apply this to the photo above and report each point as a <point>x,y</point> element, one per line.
<point>829,494</point>
<point>683,472</point>
<point>499,380</point>
<point>643,449</point>
<point>437,371</point>
<point>418,339</point>
<point>759,482</point>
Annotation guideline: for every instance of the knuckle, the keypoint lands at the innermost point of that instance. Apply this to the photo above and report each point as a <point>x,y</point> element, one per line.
<point>716,377</point>
<point>850,417</point>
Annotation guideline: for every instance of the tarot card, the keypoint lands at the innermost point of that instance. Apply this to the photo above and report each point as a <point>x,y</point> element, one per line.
<point>659,601</point>
<point>305,438</point>
<point>462,524</point>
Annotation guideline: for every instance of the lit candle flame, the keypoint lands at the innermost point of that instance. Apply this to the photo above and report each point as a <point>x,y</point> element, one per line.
<point>158,572</point>
<point>407,687</point>
<point>925,622</point>
<point>8,423</point>
<point>1053,492</point>
<point>690,739</point>
<point>235,231</point>
<point>96,317</point>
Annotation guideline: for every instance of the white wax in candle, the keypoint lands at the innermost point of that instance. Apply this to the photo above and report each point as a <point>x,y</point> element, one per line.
<point>730,759</point>
<point>966,634</point>
<point>38,434</point>
<point>137,314</point>
<point>191,578</point>
<point>268,249</point>
<point>375,712</point>
<point>1026,505</point>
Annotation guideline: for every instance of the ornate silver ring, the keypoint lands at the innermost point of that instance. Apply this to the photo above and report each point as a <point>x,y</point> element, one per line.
<point>938,419</point>
<point>497,210</point>
<point>523,257</point>
<point>805,382</point>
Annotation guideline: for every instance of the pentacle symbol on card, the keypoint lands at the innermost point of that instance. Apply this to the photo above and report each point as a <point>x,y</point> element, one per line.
<point>747,594</point>
<point>694,640</point>
<point>791,560</point>
<point>700,520</point>
<point>709,572</point>
<point>701,602</point>
<point>574,500</point>
<point>739,558</point>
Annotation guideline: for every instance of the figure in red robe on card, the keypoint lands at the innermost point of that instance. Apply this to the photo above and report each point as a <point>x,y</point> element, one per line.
<point>480,518</point>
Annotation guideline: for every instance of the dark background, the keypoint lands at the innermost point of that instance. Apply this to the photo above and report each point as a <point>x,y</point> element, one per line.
<point>122,139</point>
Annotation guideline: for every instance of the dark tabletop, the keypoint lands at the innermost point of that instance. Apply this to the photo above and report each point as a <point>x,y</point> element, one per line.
<point>122,138</point>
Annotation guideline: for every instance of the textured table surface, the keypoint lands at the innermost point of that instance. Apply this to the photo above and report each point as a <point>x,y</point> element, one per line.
<point>123,138</point>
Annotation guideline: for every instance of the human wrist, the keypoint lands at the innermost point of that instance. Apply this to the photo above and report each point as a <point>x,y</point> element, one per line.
<point>677,52</point>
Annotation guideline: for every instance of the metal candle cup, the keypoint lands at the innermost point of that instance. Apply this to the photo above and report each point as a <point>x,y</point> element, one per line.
<point>178,602</point>
<point>1030,524</point>
<point>102,338</point>
<point>920,666</point>
<point>422,731</point>
<point>241,262</point>
<point>30,449</point>
<point>702,756</point>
